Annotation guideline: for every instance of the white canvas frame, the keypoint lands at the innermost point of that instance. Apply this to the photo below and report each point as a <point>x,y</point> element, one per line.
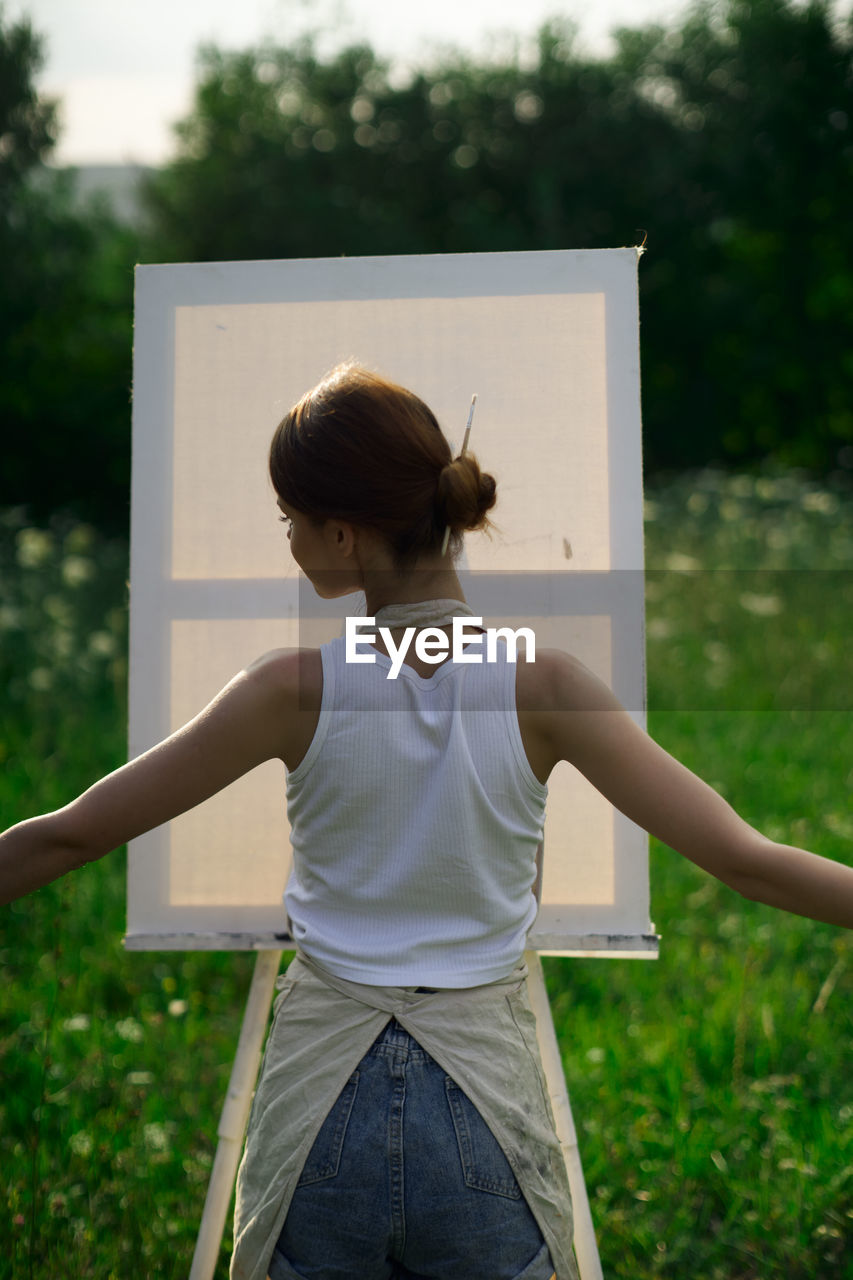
<point>550,343</point>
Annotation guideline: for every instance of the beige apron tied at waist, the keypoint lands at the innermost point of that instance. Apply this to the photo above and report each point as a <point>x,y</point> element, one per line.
<point>483,1037</point>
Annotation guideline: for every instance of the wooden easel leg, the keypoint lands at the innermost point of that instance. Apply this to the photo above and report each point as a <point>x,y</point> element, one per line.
<point>235,1115</point>
<point>586,1247</point>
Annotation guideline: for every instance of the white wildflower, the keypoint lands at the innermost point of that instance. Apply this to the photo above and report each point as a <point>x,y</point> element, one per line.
<point>79,1022</point>
<point>34,548</point>
<point>763,606</point>
<point>157,1136</point>
<point>76,569</point>
<point>102,644</point>
<point>130,1029</point>
<point>825,504</point>
<point>81,1143</point>
<point>697,504</point>
<point>679,562</point>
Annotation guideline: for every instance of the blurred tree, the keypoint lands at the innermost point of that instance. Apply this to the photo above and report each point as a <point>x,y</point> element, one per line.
<point>727,139</point>
<point>65,318</point>
<point>755,354</point>
<point>27,126</point>
<point>285,156</point>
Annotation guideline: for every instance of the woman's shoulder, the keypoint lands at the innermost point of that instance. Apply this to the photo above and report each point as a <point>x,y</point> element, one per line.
<point>549,693</point>
<point>558,681</point>
<point>293,676</point>
<point>291,686</point>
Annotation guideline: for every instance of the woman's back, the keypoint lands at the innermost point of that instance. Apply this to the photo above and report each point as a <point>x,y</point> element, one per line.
<point>415,823</point>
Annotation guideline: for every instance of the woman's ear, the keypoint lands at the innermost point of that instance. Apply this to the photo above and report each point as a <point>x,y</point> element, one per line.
<point>342,536</point>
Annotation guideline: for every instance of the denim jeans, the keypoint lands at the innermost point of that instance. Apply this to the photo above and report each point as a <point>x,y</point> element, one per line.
<point>406,1182</point>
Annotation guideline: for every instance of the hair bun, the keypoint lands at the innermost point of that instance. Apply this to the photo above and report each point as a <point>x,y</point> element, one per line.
<point>360,448</point>
<point>464,494</point>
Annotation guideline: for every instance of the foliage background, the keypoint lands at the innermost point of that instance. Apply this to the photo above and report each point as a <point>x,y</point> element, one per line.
<point>726,140</point>
<point>711,1089</point>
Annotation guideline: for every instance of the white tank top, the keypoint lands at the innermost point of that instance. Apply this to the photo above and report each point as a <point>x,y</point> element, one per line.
<point>415,820</point>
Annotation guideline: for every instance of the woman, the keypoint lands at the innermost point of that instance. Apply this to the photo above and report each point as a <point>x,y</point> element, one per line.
<point>401,1124</point>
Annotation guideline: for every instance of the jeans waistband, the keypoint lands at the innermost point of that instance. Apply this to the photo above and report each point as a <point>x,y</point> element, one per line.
<point>396,1042</point>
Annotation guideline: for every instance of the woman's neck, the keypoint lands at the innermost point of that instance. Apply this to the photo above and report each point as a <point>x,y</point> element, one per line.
<point>422,584</point>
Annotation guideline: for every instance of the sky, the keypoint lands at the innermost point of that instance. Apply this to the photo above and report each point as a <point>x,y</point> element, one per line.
<point>123,70</point>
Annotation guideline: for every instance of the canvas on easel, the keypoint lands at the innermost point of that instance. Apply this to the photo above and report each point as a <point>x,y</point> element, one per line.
<point>549,342</point>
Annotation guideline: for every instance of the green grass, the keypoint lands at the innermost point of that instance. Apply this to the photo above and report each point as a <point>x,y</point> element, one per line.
<point>711,1089</point>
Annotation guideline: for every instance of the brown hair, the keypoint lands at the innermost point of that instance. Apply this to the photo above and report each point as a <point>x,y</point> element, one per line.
<point>363,449</point>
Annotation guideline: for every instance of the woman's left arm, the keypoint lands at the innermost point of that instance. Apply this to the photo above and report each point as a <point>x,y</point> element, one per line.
<point>241,728</point>
<point>589,728</point>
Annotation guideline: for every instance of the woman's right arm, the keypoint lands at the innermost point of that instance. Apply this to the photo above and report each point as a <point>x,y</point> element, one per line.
<point>245,724</point>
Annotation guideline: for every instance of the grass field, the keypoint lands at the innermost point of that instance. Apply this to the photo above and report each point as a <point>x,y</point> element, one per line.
<point>712,1089</point>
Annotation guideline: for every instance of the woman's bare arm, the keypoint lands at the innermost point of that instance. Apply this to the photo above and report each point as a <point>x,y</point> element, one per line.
<point>244,725</point>
<point>589,728</point>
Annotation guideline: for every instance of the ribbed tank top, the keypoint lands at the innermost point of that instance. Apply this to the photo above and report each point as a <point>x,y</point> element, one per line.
<point>415,819</point>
